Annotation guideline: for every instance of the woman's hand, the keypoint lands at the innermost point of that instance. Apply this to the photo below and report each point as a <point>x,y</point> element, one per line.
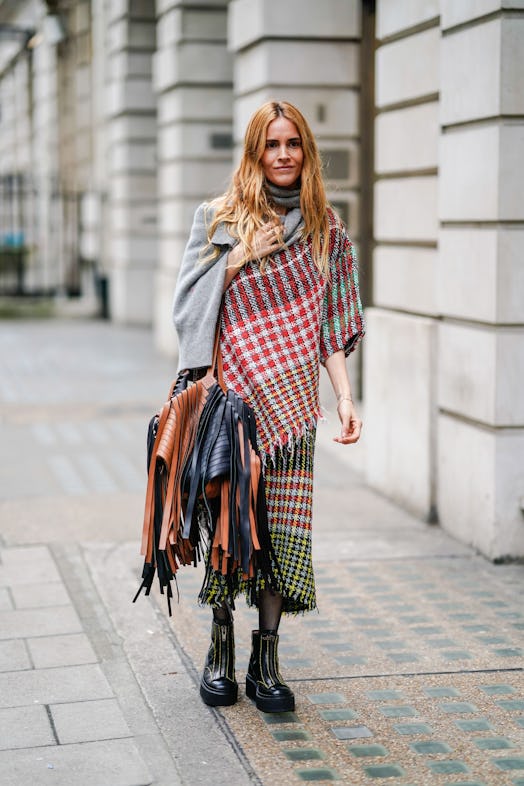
<point>266,241</point>
<point>351,423</point>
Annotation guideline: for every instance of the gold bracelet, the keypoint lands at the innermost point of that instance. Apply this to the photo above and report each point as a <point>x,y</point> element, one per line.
<point>344,398</point>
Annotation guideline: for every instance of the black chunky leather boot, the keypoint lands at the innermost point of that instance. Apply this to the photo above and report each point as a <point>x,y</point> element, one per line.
<point>264,683</point>
<point>218,686</point>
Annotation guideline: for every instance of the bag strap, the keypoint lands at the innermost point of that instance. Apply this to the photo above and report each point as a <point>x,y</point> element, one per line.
<point>220,371</point>
<point>216,347</point>
<point>216,368</point>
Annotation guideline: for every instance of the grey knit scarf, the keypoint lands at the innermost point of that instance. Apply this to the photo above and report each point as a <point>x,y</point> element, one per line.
<point>290,199</point>
<point>284,197</point>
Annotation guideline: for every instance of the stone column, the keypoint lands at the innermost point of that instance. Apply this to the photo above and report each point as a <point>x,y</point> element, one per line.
<point>131,108</point>
<point>307,53</point>
<point>400,346</point>
<point>45,160</point>
<point>75,153</point>
<point>480,280</point>
<point>74,100</point>
<point>96,210</point>
<point>193,75</point>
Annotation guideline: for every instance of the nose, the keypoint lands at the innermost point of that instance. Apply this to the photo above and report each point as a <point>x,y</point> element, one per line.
<point>283,152</point>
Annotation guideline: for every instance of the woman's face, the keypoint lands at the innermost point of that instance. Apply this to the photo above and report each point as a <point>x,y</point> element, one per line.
<point>283,157</point>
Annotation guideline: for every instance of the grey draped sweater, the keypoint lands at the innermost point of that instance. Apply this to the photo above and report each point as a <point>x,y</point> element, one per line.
<point>199,287</point>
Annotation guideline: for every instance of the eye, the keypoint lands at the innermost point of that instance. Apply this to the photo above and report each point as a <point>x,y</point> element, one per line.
<point>271,143</point>
<point>295,143</point>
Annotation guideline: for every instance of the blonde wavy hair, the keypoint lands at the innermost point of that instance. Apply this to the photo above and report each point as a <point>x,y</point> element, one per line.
<point>246,205</point>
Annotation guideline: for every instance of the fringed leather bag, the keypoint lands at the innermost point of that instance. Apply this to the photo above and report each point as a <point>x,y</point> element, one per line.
<point>205,490</point>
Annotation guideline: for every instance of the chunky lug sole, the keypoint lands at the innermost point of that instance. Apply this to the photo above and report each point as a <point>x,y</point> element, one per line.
<point>218,698</point>
<point>268,703</point>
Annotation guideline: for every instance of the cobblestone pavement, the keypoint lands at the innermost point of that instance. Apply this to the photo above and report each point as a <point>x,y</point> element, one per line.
<point>411,673</point>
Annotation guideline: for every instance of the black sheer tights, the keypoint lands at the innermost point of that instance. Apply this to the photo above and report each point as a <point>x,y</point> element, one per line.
<point>269,611</point>
<point>222,614</point>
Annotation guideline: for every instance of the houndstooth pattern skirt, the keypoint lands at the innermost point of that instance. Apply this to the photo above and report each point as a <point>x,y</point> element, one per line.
<point>288,479</point>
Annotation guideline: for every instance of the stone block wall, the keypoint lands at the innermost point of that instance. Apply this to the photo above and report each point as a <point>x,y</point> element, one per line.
<point>308,54</point>
<point>480,276</point>
<point>400,352</point>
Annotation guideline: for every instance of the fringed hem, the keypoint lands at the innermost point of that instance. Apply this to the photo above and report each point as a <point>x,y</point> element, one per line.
<point>218,589</point>
<point>286,442</point>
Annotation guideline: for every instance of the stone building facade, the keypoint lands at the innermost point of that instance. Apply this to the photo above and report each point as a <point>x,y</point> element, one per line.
<point>117,117</point>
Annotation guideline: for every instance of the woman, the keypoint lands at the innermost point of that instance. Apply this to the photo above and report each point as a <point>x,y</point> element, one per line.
<point>272,262</point>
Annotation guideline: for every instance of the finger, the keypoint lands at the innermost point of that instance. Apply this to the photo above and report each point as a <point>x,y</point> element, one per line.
<point>352,435</point>
<point>350,440</point>
<point>355,429</point>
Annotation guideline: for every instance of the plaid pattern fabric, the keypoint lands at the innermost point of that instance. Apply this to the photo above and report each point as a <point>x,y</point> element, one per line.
<point>277,326</point>
<point>289,493</point>
<point>342,324</point>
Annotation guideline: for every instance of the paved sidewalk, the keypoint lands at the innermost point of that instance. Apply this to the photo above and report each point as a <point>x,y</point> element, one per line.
<point>61,719</point>
<point>411,673</point>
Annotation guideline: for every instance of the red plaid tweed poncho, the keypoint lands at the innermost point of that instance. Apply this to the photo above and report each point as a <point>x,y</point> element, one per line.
<point>277,326</point>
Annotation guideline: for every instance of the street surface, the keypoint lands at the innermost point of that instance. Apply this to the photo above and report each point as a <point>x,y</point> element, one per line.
<point>411,673</point>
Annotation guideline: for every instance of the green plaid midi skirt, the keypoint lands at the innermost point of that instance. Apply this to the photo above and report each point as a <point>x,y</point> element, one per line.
<point>288,480</point>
